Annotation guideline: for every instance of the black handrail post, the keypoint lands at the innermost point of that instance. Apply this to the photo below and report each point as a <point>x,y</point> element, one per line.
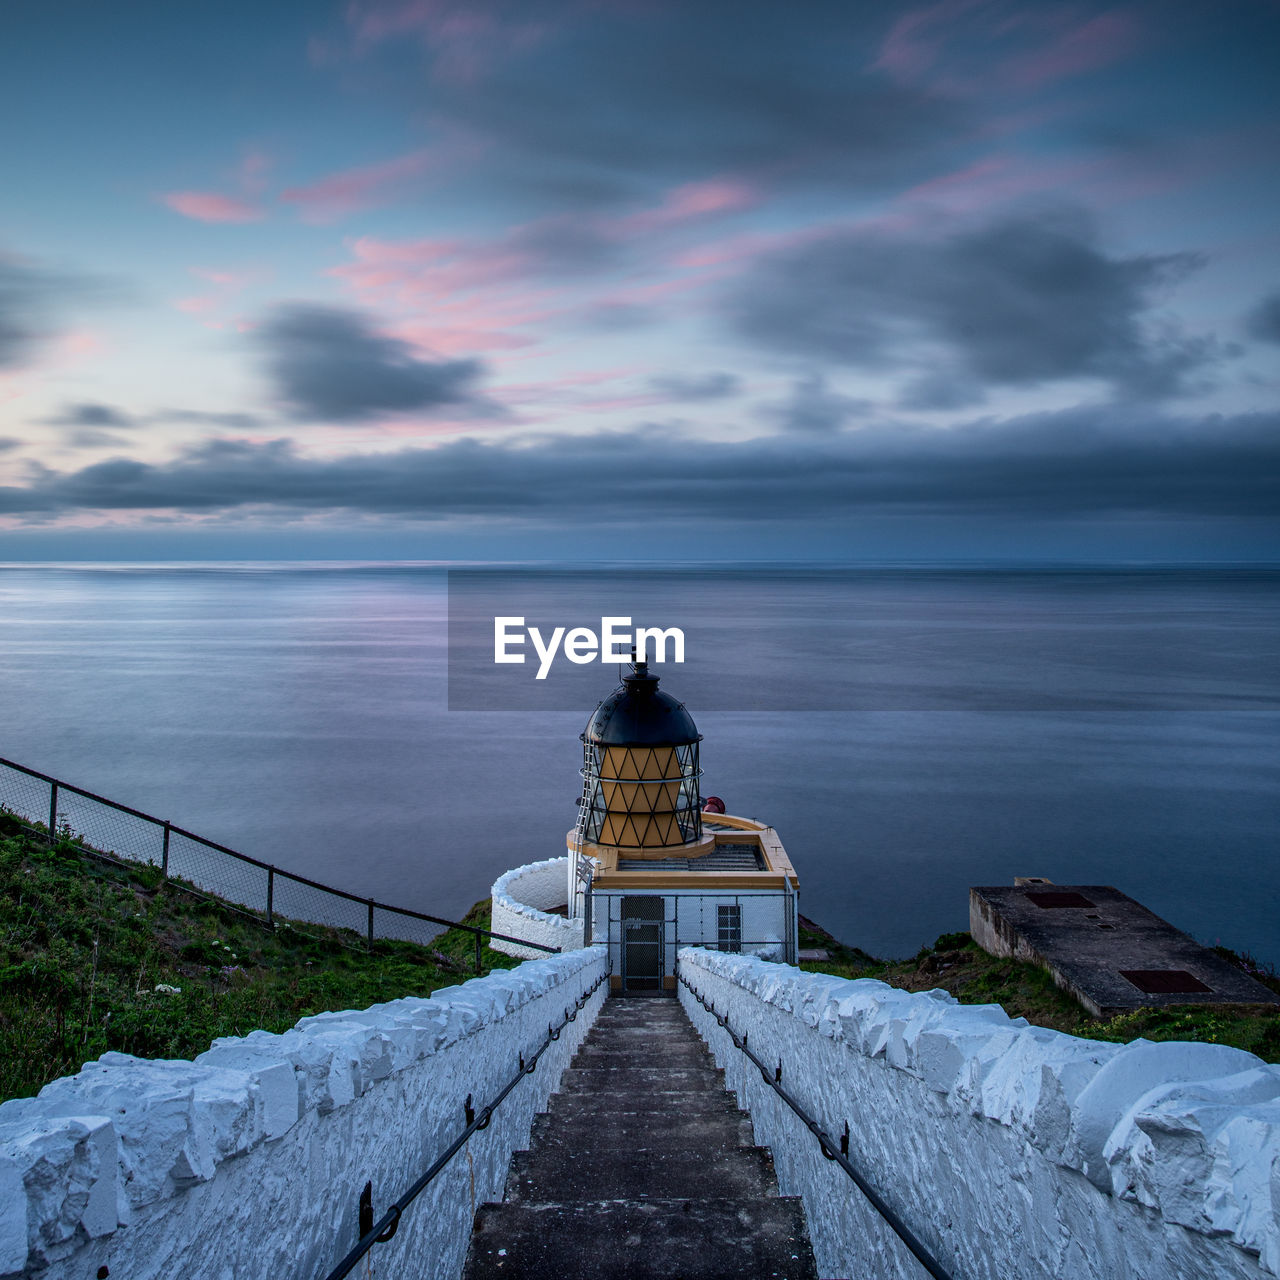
<point>271,893</point>
<point>164,853</point>
<point>370,924</point>
<point>53,812</point>
<point>476,935</point>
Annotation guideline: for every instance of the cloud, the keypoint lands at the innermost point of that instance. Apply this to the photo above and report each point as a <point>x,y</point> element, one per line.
<point>813,406</point>
<point>10,442</point>
<point>976,45</point>
<point>204,418</point>
<point>696,386</point>
<point>94,438</point>
<point>91,415</point>
<point>589,103</point>
<point>1087,462</point>
<point>209,206</point>
<point>351,190</point>
<point>1263,322</point>
<point>941,389</point>
<point>88,414</point>
<point>1020,302</point>
<point>31,296</point>
<point>330,365</point>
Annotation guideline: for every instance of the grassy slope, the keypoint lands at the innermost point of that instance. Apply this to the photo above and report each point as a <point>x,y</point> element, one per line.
<point>84,944</point>
<point>957,964</point>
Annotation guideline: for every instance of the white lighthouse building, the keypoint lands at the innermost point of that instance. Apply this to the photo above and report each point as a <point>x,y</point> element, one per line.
<point>651,866</point>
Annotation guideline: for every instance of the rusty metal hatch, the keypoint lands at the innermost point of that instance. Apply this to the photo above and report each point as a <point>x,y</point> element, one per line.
<point>1047,900</point>
<point>1164,982</point>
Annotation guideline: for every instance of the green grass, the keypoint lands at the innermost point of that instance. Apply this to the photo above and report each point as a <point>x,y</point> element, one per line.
<point>84,943</point>
<point>957,964</point>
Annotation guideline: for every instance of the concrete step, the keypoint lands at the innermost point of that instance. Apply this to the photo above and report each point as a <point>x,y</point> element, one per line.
<point>677,1239</point>
<point>642,1080</point>
<point>642,1166</point>
<point>621,1131</point>
<point>567,1172</point>
<point>652,1104</point>
<point>672,1053</point>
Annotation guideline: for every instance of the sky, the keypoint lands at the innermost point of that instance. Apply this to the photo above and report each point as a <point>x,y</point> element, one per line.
<point>631,279</point>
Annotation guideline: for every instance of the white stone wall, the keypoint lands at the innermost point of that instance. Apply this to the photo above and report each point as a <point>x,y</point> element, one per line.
<point>1011,1151</point>
<point>521,898</point>
<point>249,1161</point>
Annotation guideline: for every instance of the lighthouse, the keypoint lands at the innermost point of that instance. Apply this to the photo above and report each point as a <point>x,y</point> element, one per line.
<point>652,867</point>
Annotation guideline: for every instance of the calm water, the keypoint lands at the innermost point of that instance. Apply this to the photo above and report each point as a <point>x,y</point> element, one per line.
<point>1088,727</point>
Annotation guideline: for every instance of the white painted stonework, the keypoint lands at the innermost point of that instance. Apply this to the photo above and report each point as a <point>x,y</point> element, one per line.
<point>1011,1150</point>
<point>521,901</point>
<point>249,1161</point>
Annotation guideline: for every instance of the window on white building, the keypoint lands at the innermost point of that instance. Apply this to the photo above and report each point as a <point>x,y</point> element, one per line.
<point>729,927</point>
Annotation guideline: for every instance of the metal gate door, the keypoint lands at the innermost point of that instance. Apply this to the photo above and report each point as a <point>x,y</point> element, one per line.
<point>642,943</point>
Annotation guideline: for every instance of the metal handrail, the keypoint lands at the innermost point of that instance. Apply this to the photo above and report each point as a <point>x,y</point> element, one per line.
<point>170,828</point>
<point>838,1152</point>
<point>388,1224</point>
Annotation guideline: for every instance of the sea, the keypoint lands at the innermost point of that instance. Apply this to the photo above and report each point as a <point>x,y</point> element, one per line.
<point>909,730</point>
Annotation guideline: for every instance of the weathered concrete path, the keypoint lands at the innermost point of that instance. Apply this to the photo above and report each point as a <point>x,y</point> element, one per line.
<point>642,1167</point>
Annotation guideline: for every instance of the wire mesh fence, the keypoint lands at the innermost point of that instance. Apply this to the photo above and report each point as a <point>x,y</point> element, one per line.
<point>60,810</point>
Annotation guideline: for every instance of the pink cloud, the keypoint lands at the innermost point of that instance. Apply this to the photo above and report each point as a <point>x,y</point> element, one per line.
<point>197,305</point>
<point>466,40</point>
<point>209,206</point>
<point>687,203</point>
<point>360,188</point>
<point>913,43</point>
<point>971,46</point>
<point>1099,42</point>
<point>225,286</point>
<point>254,169</point>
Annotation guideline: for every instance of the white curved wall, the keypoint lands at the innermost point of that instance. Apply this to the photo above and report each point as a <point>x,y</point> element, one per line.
<point>521,899</point>
<point>1012,1151</point>
<point>250,1160</point>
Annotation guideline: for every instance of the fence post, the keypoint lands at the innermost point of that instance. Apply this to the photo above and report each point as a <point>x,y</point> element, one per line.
<point>164,853</point>
<point>53,811</point>
<point>271,894</point>
<point>476,935</point>
<point>370,924</point>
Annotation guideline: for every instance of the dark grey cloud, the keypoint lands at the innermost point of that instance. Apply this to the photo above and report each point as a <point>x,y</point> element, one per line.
<point>91,414</point>
<point>35,302</point>
<point>1017,303</point>
<point>91,425</point>
<point>591,103</point>
<point>204,418</point>
<point>330,365</point>
<point>813,406</point>
<point>696,386</point>
<point>94,438</point>
<point>10,442</point>
<point>28,298</point>
<point>1078,464</point>
<point>941,389</point>
<point>1263,322</point>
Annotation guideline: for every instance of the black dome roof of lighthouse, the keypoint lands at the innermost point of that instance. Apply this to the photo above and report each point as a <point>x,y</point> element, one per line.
<point>638,714</point>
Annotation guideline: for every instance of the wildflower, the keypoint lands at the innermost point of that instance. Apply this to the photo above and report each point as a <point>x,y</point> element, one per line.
<point>165,989</point>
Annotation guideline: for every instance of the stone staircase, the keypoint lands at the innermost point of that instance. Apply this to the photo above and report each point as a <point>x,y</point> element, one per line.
<point>643,1166</point>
